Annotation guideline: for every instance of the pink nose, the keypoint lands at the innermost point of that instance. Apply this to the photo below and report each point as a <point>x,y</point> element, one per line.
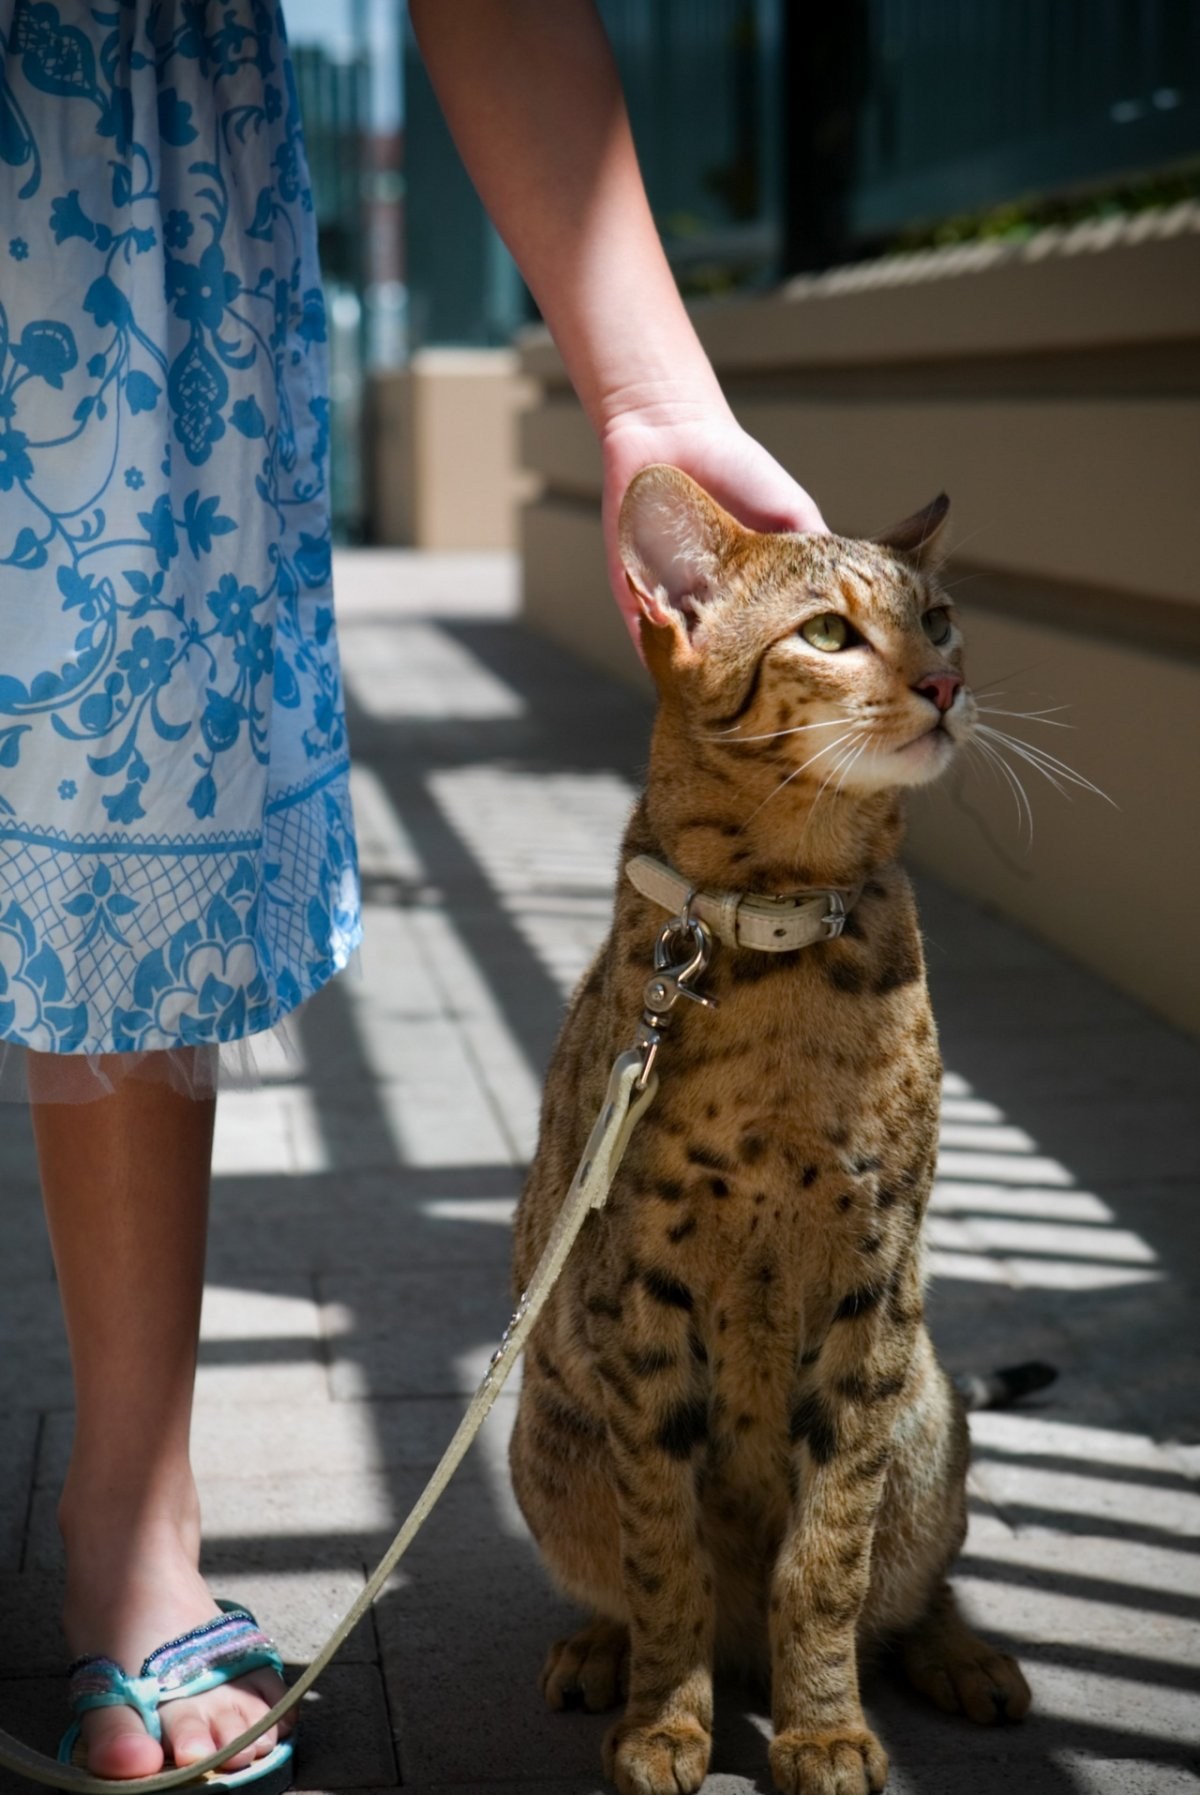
<point>939,688</point>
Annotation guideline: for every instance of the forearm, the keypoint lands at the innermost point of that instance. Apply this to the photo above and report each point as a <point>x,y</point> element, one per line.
<point>531,94</point>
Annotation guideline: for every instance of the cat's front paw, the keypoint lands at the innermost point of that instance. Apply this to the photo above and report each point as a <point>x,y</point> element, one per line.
<point>844,1763</point>
<point>657,1758</point>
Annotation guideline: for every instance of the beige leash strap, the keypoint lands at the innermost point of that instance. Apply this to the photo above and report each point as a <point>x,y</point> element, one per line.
<point>631,1089</point>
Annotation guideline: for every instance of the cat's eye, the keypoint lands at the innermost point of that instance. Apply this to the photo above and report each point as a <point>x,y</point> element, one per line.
<point>828,632</point>
<point>937,625</point>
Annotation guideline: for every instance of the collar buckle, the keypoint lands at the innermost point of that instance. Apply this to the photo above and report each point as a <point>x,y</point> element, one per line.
<point>834,919</point>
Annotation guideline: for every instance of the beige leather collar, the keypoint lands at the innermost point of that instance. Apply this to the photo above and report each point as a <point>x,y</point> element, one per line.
<point>773,925</point>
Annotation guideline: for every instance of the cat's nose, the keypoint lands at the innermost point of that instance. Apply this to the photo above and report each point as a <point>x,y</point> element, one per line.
<point>939,688</point>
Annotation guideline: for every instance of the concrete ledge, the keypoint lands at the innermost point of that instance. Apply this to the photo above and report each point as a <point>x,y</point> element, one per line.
<point>442,439</point>
<point>1098,285</point>
<point>1112,884</point>
<point>566,594</point>
<point>1053,388</point>
<point>1055,488</point>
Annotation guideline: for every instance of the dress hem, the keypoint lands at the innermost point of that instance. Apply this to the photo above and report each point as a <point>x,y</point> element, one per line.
<point>197,1068</point>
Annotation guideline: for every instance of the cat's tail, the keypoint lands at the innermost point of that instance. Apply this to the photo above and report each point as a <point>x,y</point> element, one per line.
<point>998,1389</point>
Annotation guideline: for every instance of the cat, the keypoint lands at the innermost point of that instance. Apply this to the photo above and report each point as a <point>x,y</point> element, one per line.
<point>733,1436</point>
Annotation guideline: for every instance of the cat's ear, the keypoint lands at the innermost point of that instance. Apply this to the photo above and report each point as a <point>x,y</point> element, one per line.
<point>917,537</point>
<point>673,540</point>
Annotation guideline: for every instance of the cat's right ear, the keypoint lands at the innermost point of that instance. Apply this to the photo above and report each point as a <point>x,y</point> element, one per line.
<point>672,539</point>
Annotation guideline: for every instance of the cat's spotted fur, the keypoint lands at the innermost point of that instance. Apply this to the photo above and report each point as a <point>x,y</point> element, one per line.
<point>734,1437</point>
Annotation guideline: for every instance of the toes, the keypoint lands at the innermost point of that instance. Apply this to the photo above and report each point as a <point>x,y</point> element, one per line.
<point>194,1728</point>
<point>853,1763</point>
<point>188,1732</point>
<point>935,1682</point>
<point>964,1674</point>
<point>588,1671</point>
<point>666,1759</point>
<point>993,1690</point>
<point>269,1688</point>
<point>118,1745</point>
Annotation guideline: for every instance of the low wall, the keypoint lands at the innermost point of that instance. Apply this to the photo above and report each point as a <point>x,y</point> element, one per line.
<point>1054,390</point>
<point>441,450</point>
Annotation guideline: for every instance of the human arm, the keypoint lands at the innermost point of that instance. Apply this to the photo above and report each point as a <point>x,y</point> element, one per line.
<point>531,95</point>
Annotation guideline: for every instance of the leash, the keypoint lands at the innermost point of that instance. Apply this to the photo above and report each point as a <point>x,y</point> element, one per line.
<point>631,1088</point>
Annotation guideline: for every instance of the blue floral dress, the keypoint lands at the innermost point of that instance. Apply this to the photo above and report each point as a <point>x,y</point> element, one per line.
<point>177,860</point>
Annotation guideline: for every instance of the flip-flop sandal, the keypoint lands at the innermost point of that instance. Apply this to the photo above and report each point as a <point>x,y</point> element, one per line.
<point>223,1649</point>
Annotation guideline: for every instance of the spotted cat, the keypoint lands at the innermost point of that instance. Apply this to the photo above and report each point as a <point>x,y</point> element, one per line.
<point>734,1439</point>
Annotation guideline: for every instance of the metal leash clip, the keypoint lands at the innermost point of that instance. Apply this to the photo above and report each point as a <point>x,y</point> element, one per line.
<point>672,979</point>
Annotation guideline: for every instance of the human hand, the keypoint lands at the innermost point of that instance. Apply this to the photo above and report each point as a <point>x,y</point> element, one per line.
<point>711,446</point>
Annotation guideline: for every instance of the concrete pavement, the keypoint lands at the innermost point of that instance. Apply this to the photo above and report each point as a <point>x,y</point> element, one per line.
<point>358,1276</point>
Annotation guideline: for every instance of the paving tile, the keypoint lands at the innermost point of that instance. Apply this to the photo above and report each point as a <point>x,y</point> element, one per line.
<point>437,1115</point>
<point>18,1156</point>
<point>274,1523</point>
<point>1001,1004</point>
<point>255,1344</point>
<point>1023,1065</point>
<point>19,1434</point>
<point>34,1710</point>
<point>256,1130</point>
<point>1142,1136</point>
<point>299,1609</point>
<point>26,1253</point>
<point>1129,1776</point>
<point>36,1379</point>
<point>411,1334</point>
<point>31,1638</point>
<point>400,1216</point>
<point>345,1739</point>
<point>247,1441</point>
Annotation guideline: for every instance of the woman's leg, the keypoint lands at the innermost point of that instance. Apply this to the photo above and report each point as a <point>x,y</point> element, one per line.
<point>125,1180</point>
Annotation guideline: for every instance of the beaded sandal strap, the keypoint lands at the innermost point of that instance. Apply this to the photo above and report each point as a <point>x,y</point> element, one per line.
<point>223,1648</point>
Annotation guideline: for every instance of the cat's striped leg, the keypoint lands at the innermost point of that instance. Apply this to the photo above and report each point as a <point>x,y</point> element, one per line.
<point>656,1408</point>
<point>921,1525</point>
<point>842,1424</point>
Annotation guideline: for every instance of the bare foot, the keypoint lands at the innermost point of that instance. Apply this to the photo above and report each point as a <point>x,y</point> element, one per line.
<point>132,1585</point>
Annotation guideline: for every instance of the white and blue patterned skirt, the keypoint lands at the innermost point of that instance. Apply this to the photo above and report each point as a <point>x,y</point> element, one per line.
<point>177,863</point>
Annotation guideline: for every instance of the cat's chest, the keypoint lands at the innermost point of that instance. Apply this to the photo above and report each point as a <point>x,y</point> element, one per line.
<point>792,1123</point>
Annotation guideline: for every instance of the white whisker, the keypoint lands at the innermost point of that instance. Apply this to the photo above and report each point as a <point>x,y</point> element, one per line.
<point>999,768</point>
<point>1014,673</point>
<point>844,759</point>
<point>850,765</point>
<point>1046,763</point>
<point>991,710</point>
<point>795,773</point>
<point>771,735</point>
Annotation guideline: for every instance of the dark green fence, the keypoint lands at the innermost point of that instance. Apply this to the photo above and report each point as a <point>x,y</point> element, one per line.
<point>703,82</point>
<point>966,104</point>
<point>779,135</point>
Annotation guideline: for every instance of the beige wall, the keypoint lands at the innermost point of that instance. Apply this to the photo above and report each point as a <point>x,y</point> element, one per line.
<point>442,450</point>
<point>1054,390</point>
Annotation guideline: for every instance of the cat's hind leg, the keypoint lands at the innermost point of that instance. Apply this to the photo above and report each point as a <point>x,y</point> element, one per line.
<point>960,1672</point>
<point>921,1526</point>
<point>590,1670</point>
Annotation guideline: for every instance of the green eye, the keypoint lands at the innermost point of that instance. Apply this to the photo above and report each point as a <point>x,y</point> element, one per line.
<point>937,625</point>
<point>828,632</point>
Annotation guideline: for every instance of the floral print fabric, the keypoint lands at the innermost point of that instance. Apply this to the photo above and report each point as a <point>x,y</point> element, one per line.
<point>177,858</point>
